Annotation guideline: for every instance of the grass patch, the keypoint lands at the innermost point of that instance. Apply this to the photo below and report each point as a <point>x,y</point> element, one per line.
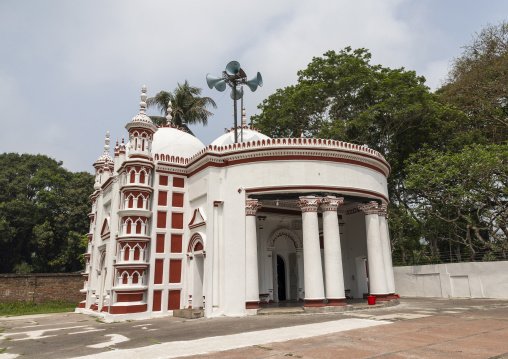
<point>3,350</point>
<point>24,308</point>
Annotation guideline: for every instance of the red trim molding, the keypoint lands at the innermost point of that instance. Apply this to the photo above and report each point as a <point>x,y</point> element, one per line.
<point>252,305</point>
<point>126,309</point>
<point>318,188</point>
<point>314,303</point>
<point>382,297</point>
<point>336,302</point>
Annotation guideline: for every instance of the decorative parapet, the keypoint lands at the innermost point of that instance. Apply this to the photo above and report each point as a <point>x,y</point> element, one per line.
<point>279,147</point>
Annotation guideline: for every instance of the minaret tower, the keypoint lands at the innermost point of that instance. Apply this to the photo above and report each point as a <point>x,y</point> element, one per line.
<point>135,170</point>
<point>103,164</point>
<point>141,130</point>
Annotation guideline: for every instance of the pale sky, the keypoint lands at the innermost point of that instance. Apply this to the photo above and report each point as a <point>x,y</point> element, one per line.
<point>72,70</point>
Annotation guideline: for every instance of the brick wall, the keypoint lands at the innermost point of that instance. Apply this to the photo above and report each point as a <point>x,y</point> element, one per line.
<point>41,287</point>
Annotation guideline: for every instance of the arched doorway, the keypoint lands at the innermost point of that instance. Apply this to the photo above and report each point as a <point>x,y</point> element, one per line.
<point>197,302</point>
<point>196,251</point>
<point>102,280</point>
<point>284,247</point>
<point>281,278</point>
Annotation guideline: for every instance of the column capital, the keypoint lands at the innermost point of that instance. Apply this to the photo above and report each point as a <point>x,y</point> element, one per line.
<point>251,206</point>
<point>369,208</point>
<point>309,204</point>
<point>330,203</point>
<point>382,211</point>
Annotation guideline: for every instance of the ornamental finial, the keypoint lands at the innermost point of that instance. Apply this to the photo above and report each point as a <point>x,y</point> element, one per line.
<point>106,146</point>
<point>170,109</point>
<point>142,104</point>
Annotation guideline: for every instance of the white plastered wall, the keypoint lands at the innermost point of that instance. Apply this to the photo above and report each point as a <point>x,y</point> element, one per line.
<point>232,185</point>
<point>453,280</point>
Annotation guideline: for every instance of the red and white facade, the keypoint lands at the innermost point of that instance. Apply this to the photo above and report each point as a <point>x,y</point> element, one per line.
<point>228,227</point>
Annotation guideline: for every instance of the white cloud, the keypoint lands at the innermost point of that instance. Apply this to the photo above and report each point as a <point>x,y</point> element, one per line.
<point>73,70</point>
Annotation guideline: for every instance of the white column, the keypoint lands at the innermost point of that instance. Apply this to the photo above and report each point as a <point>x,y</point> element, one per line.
<point>375,262</point>
<point>313,274</point>
<point>334,276</point>
<point>215,256</point>
<point>387,251</point>
<point>251,255</point>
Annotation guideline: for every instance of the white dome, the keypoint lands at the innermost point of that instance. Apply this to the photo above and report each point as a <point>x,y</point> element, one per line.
<point>105,158</point>
<point>174,142</point>
<point>249,135</point>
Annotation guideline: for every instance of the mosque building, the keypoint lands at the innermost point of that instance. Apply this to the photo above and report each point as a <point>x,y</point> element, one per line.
<point>231,226</point>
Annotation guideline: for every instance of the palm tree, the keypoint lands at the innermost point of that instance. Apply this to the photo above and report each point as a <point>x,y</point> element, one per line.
<point>188,107</point>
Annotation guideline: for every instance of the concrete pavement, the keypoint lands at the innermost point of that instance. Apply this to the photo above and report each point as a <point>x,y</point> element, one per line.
<point>420,328</point>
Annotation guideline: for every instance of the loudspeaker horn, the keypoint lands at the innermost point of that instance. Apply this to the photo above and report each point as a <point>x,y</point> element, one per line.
<point>254,82</point>
<point>216,82</point>
<point>239,93</point>
<point>232,68</point>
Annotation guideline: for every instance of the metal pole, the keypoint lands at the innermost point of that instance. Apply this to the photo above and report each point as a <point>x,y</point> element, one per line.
<point>241,130</point>
<point>236,121</point>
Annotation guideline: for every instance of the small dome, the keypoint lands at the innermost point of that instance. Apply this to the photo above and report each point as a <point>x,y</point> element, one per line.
<point>141,117</point>
<point>249,135</point>
<point>105,157</point>
<point>175,142</point>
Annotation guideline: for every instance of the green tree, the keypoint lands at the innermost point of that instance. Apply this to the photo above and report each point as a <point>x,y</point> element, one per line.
<point>43,209</point>
<point>342,96</point>
<point>477,82</point>
<point>466,192</point>
<point>188,106</point>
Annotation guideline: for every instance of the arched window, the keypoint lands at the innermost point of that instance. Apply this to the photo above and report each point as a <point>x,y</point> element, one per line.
<point>133,176</point>
<point>131,201</point>
<point>125,278</point>
<point>142,177</point>
<point>138,227</point>
<point>128,225</point>
<point>135,278</point>
<point>137,252</point>
<point>127,250</point>
<point>140,201</point>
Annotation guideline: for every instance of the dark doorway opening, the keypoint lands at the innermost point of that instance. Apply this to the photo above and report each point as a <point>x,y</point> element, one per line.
<point>281,278</point>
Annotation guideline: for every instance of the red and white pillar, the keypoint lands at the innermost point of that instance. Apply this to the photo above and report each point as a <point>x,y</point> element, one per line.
<point>251,255</point>
<point>313,274</point>
<point>377,272</point>
<point>387,252</point>
<point>334,276</point>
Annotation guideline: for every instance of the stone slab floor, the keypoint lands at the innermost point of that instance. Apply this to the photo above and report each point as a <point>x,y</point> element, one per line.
<point>416,328</point>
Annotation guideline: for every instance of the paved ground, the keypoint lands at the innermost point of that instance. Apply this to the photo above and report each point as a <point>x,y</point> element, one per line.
<point>417,328</point>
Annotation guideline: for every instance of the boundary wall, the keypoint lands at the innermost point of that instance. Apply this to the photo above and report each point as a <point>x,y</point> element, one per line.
<point>41,287</point>
<point>453,280</point>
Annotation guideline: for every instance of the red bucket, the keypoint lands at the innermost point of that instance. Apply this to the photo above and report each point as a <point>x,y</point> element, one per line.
<point>371,299</point>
